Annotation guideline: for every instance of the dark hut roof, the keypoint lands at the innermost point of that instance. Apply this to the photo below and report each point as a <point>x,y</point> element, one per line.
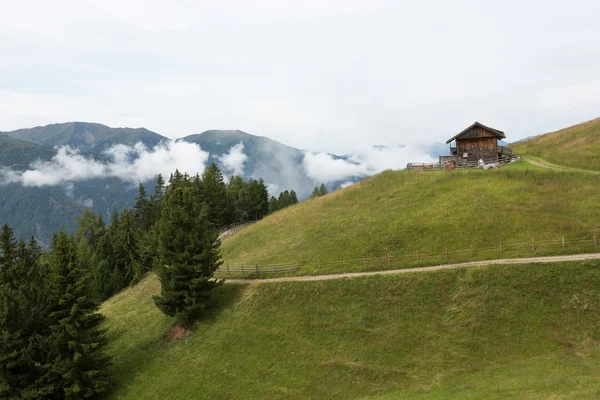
<point>498,133</point>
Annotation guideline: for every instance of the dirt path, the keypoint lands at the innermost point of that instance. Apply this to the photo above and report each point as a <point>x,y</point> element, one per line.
<point>545,164</point>
<point>575,257</point>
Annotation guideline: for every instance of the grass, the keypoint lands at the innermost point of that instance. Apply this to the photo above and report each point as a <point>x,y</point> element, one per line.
<point>524,331</point>
<point>577,146</point>
<point>402,212</point>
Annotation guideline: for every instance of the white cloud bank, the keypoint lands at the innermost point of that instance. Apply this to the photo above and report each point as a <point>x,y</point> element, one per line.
<point>322,167</point>
<point>129,163</point>
<point>233,162</point>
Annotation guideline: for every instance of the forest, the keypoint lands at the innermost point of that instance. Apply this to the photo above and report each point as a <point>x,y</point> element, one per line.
<point>51,342</point>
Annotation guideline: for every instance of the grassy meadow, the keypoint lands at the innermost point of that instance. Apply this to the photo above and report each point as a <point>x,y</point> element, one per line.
<point>402,212</point>
<point>577,146</point>
<point>498,332</point>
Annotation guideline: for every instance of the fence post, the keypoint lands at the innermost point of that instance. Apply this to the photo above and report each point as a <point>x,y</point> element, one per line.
<point>417,255</point>
<point>242,268</point>
<point>274,270</point>
<point>256,269</point>
<point>319,263</point>
<point>388,257</point>
<point>365,262</point>
<point>446,254</point>
<point>532,245</point>
<point>501,252</point>
<point>341,262</point>
<point>595,242</point>
<point>294,267</point>
<point>563,242</point>
<point>472,252</point>
<point>228,268</point>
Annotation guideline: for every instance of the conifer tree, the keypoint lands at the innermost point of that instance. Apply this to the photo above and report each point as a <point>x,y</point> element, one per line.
<point>156,199</point>
<point>293,198</point>
<point>322,190</point>
<point>189,253</point>
<point>77,365</point>
<point>214,193</point>
<point>127,248</point>
<point>237,194</point>
<point>142,212</point>
<point>23,308</point>
<point>264,198</point>
<point>273,204</point>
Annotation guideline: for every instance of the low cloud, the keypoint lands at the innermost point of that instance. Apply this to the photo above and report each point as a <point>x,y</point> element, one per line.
<point>233,162</point>
<point>132,164</point>
<point>322,167</point>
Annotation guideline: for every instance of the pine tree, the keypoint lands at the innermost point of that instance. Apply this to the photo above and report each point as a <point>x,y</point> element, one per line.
<point>293,198</point>
<point>189,253</point>
<point>264,198</point>
<point>23,309</point>
<point>237,193</point>
<point>322,190</point>
<point>273,204</point>
<point>214,193</point>
<point>127,248</point>
<point>142,212</point>
<point>315,193</point>
<point>77,365</point>
<point>156,199</point>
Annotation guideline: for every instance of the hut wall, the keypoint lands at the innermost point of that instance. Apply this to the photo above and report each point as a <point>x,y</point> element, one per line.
<point>478,148</point>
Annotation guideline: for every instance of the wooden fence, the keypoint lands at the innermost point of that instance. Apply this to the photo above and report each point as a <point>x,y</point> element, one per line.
<point>249,269</point>
<point>418,258</point>
<point>464,164</point>
<point>233,230</point>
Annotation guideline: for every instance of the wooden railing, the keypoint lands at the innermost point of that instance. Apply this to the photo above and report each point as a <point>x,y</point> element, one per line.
<point>255,269</point>
<point>465,164</point>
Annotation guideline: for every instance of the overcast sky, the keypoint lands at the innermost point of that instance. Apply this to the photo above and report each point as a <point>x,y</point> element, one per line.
<point>320,75</point>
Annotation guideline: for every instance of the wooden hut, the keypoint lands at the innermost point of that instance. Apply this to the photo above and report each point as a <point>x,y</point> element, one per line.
<point>477,142</point>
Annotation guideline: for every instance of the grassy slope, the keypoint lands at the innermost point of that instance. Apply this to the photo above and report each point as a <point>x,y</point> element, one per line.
<point>402,212</point>
<point>530,331</point>
<point>577,146</point>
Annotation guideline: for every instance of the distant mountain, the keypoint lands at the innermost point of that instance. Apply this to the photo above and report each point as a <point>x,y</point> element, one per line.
<point>84,136</point>
<point>278,164</point>
<point>40,211</point>
<point>18,154</point>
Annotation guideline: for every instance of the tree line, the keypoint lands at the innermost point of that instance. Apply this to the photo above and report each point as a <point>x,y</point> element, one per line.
<point>51,340</point>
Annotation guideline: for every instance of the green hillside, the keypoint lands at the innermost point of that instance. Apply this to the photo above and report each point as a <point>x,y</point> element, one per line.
<point>87,137</point>
<point>522,332</point>
<point>19,154</point>
<point>402,212</point>
<point>577,146</point>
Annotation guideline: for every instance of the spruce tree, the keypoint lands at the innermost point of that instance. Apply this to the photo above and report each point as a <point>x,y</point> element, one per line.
<point>189,253</point>
<point>142,211</point>
<point>127,248</point>
<point>264,198</point>
<point>322,190</point>
<point>315,193</point>
<point>293,198</point>
<point>214,193</point>
<point>273,204</point>
<point>77,365</point>
<point>237,194</point>
<point>23,324</point>
<point>156,199</point>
